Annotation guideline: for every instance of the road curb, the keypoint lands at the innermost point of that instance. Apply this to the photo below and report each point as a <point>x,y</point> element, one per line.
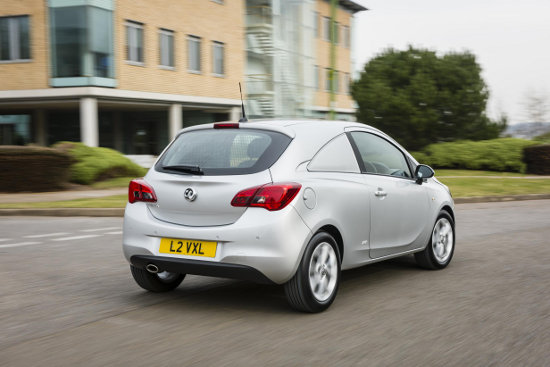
<point>495,199</point>
<point>65,212</point>
<point>119,212</point>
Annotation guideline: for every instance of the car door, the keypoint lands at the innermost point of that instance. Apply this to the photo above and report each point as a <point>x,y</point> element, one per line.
<point>334,194</point>
<point>399,207</point>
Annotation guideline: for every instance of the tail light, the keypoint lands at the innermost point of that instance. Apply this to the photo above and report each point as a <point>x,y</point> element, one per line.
<point>139,190</point>
<point>271,196</point>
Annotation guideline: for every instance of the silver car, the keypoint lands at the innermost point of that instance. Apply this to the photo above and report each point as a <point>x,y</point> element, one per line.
<point>288,202</point>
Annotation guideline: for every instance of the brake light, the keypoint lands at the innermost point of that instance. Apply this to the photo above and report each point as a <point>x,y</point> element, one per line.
<point>226,125</point>
<point>271,196</point>
<point>139,190</point>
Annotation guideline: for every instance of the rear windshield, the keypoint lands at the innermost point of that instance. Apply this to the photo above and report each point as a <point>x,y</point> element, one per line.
<point>223,152</point>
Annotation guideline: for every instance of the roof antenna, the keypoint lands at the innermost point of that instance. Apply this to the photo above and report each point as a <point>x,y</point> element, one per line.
<point>243,119</point>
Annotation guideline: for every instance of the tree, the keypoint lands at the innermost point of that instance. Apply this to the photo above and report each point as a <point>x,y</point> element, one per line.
<point>536,106</point>
<point>420,98</point>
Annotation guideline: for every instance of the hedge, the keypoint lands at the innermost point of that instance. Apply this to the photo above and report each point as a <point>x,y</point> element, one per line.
<point>34,169</point>
<point>537,159</point>
<point>504,155</point>
<point>96,164</point>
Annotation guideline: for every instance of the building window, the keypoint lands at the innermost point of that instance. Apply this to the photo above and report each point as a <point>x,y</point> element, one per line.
<point>82,42</point>
<point>345,85</point>
<point>166,48</point>
<point>15,129</point>
<point>346,36</point>
<point>316,77</point>
<point>194,54</point>
<point>326,28</point>
<point>315,24</point>
<point>334,81</point>
<point>134,42</point>
<point>336,33</point>
<point>218,61</point>
<point>14,38</point>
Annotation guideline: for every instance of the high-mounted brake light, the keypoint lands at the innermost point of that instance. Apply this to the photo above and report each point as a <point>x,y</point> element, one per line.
<point>226,125</point>
<point>271,196</point>
<point>139,190</point>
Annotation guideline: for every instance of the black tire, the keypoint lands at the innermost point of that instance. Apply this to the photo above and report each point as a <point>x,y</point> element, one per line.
<point>154,282</point>
<point>428,258</point>
<point>298,290</point>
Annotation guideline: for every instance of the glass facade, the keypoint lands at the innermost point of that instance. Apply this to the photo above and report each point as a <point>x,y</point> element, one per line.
<point>82,43</point>
<point>144,132</point>
<point>15,129</point>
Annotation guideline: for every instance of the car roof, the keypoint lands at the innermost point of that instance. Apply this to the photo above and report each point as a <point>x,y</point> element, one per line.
<point>292,127</point>
<point>309,135</point>
<point>308,122</point>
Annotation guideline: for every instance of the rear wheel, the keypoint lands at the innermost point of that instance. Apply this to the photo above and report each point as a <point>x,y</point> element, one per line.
<point>159,282</point>
<point>313,288</point>
<point>439,251</point>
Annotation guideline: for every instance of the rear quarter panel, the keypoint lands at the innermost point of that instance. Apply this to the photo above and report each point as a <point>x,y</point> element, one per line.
<point>342,201</point>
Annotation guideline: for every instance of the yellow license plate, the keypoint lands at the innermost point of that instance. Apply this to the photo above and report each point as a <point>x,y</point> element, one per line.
<point>178,246</point>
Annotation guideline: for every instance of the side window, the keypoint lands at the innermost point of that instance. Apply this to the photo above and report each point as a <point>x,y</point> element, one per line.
<point>380,156</point>
<point>335,156</point>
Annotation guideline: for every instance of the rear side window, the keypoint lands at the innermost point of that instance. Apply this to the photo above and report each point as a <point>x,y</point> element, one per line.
<point>336,156</point>
<point>224,151</point>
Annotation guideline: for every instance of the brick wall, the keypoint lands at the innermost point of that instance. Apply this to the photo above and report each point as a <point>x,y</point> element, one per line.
<point>33,74</point>
<point>343,57</point>
<point>207,19</point>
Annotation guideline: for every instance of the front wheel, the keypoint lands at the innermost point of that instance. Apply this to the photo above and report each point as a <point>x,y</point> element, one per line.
<point>159,282</point>
<point>313,288</point>
<point>439,251</point>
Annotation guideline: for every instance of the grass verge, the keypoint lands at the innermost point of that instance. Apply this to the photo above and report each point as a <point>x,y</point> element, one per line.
<point>113,183</point>
<point>114,201</point>
<point>472,186</point>
<point>441,173</point>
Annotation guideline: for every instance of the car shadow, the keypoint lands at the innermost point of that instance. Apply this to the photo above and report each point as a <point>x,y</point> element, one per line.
<point>215,294</point>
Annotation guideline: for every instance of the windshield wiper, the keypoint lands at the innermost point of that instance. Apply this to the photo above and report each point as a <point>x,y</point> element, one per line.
<point>196,170</point>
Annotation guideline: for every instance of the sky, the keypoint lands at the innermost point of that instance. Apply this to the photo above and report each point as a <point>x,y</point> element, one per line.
<point>511,41</point>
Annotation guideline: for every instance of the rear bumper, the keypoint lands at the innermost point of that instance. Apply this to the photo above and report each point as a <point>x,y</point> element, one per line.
<point>200,267</point>
<point>271,243</point>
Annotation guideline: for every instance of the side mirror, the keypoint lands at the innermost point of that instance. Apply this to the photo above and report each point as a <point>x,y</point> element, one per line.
<point>423,172</point>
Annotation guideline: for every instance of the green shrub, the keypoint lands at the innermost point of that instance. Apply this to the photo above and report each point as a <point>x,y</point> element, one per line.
<point>33,169</point>
<point>537,159</point>
<point>504,155</point>
<point>96,164</point>
<point>543,139</point>
<point>421,157</point>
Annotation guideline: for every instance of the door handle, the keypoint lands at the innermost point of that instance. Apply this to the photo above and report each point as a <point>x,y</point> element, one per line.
<point>380,193</point>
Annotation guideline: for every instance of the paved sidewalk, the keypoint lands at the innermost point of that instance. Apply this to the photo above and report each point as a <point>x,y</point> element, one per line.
<point>60,195</point>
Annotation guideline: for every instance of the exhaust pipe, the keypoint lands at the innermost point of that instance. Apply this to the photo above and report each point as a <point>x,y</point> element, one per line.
<point>152,268</point>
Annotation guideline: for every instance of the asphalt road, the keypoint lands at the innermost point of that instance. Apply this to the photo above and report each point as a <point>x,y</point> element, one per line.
<point>67,299</point>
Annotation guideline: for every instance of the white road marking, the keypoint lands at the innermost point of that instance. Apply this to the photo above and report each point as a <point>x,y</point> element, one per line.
<point>5,239</point>
<point>47,235</point>
<point>115,232</point>
<point>76,237</point>
<point>20,244</point>
<point>99,229</point>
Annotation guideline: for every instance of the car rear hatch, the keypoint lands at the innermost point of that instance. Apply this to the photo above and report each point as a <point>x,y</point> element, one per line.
<point>200,173</point>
